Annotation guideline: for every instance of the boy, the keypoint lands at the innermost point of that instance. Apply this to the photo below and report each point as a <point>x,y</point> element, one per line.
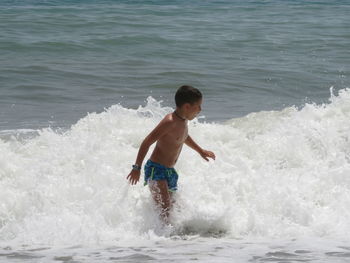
<point>170,134</point>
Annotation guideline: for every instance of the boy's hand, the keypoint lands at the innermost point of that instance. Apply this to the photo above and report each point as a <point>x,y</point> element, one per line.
<point>133,177</point>
<point>205,154</point>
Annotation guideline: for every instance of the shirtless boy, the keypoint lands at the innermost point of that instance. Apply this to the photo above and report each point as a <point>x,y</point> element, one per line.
<point>170,134</point>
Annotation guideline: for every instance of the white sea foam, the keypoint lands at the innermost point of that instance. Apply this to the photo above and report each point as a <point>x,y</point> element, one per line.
<point>277,174</point>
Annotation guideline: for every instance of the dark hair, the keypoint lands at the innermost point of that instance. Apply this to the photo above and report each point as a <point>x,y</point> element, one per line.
<point>187,94</point>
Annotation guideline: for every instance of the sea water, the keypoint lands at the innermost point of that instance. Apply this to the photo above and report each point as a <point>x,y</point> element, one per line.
<point>61,59</point>
<point>276,113</point>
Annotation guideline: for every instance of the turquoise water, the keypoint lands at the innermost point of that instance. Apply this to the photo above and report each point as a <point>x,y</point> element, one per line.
<point>62,59</point>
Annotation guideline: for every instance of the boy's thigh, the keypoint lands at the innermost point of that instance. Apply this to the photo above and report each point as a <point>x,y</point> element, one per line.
<point>160,191</point>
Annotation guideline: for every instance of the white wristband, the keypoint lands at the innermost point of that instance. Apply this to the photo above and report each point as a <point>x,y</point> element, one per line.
<point>136,167</point>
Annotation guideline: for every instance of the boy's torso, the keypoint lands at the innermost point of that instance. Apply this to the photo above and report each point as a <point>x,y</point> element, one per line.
<point>169,146</point>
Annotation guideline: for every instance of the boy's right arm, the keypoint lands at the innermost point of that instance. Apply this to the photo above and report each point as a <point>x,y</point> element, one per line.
<point>162,128</point>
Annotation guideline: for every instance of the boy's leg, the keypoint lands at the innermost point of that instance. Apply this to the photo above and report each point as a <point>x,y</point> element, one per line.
<point>161,197</point>
<point>172,199</point>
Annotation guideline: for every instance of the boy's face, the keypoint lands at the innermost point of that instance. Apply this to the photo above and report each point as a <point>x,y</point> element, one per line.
<point>192,110</point>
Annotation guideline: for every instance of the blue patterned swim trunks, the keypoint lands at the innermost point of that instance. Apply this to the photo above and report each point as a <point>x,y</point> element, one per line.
<point>156,171</point>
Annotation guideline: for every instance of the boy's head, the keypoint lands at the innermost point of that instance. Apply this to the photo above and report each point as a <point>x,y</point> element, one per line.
<point>187,94</point>
<point>189,100</point>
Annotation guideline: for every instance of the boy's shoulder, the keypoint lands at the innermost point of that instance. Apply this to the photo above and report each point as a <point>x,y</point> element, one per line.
<point>168,119</point>
<point>166,123</point>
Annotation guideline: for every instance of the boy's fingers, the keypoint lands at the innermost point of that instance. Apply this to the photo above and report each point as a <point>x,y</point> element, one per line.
<point>133,180</point>
<point>130,179</point>
<point>212,155</point>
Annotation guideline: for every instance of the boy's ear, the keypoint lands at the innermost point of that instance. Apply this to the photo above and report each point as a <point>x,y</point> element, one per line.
<point>186,106</point>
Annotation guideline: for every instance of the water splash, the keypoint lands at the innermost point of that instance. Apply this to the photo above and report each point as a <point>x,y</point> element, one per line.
<point>278,173</point>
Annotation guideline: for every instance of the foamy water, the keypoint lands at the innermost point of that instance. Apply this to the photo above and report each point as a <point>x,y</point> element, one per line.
<point>279,175</point>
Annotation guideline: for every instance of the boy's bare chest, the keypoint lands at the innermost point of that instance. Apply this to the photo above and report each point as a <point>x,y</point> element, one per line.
<point>178,135</point>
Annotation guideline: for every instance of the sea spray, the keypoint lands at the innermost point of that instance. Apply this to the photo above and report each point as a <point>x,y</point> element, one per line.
<point>277,174</point>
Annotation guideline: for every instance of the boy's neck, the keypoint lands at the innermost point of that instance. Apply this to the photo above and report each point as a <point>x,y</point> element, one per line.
<point>179,114</point>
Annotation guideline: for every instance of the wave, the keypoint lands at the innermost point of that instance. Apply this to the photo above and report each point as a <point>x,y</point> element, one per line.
<point>277,174</point>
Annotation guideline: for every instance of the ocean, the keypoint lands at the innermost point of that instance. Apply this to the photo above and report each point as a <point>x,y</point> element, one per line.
<point>83,82</point>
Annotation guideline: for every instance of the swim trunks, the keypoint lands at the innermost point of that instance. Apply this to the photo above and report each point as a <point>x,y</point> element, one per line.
<point>156,171</point>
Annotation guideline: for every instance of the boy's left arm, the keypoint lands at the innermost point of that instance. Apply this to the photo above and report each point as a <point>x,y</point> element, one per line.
<point>204,153</point>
